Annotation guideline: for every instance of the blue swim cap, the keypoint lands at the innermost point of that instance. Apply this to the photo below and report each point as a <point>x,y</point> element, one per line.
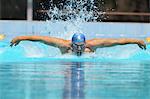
<point>78,38</point>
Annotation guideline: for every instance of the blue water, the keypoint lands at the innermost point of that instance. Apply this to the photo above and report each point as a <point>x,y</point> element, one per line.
<point>75,80</point>
<point>33,71</point>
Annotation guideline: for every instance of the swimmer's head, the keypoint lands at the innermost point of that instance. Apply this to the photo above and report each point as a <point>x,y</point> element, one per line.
<point>78,38</point>
<point>78,43</point>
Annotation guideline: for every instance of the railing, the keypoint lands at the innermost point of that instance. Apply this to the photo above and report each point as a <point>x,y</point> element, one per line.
<point>142,17</point>
<point>145,17</point>
<point>114,13</point>
<point>126,14</point>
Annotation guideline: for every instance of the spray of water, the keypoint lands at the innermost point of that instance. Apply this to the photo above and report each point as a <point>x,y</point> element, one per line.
<point>73,10</point>
<point>74,13</point>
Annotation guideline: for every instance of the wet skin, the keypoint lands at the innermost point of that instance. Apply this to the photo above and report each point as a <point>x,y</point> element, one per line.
<point>66,46</point>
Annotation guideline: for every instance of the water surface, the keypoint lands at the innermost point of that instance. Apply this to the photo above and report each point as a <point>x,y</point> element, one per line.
<point>101,79</point>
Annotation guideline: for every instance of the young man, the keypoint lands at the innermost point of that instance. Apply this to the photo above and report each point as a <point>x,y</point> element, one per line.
<point>79,44</point>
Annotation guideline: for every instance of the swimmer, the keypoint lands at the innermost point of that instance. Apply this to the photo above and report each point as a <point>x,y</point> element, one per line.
<point>78,45</point>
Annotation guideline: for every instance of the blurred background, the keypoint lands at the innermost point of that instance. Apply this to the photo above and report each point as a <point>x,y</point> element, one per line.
<point>115,10</point>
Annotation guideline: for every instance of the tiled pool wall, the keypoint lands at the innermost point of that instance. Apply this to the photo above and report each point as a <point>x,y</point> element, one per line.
<point>58,29</point>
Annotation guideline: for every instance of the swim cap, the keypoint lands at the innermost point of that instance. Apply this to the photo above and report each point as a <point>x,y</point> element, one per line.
<point>78,38</point>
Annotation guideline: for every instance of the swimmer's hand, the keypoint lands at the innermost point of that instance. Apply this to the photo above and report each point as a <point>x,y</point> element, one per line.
<point>15,42</point>
<point>141,44</point>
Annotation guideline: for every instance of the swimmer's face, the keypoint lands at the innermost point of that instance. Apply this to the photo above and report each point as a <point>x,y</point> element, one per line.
<point>78,43</point>
<point>78,48</point>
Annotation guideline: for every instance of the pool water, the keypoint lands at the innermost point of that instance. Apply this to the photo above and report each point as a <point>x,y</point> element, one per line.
<point>75,80</point>
<point>31,71</point>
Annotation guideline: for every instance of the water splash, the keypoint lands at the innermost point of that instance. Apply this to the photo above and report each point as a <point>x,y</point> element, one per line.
<point>73,13</point>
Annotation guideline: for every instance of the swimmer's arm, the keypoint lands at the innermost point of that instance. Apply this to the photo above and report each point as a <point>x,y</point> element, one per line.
<point>98,43</point>
<point>56,42</point>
